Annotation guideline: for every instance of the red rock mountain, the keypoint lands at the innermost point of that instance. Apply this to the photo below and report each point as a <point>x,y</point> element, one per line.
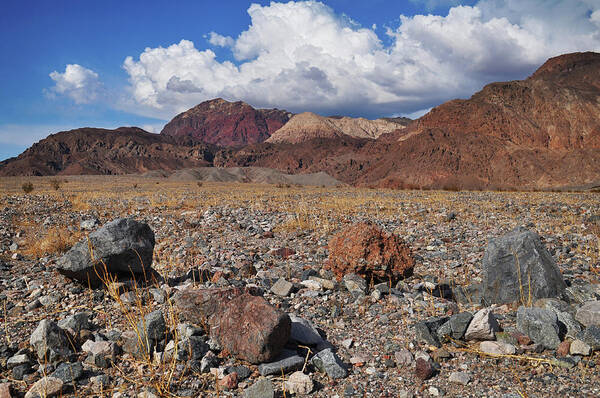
<point>224,123</point>
<point>541,132</point>
<point>99,151</point>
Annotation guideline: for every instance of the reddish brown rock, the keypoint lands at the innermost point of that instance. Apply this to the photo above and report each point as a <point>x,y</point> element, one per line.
<point>230,381</point>
<point>5,390</point>
<point>563,348</point>
<point>252,329</point>
<point>226,123</point>
<point>366,250</point>
<point>424,369</point>
<point>246,325</point>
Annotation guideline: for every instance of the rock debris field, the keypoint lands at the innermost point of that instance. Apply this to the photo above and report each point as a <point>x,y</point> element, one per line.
<point>142,287</point>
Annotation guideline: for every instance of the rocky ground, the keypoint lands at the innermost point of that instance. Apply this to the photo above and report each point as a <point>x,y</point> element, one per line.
<point>59,336</point>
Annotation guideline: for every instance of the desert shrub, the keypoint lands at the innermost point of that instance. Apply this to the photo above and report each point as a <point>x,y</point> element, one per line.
<point>199,183</point>
<point>27,187</point>
<point>56,241</point>
<point>55,184</point>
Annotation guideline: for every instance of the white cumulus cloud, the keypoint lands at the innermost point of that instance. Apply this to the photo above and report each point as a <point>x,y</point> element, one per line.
<point>76,82</point>
<point>219,40</point>
<point>303,56</point>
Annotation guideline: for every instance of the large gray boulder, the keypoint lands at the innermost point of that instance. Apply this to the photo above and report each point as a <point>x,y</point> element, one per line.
<point>517,267</point>
<point>125,246</point>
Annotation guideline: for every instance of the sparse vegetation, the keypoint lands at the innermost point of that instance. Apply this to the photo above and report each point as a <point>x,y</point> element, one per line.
<point>27,187</point>
<point>54,183</point>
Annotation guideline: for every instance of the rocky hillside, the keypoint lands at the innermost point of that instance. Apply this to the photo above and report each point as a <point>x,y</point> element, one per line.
<point>226,123</point>
<point>100,151</point>
<point>542,132</point>
<point>307,126</point>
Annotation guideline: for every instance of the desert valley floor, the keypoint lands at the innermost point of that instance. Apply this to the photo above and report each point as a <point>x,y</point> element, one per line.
<point>235,234</point>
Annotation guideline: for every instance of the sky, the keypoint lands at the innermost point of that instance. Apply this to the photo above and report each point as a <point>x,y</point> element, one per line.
<point>76,63</point>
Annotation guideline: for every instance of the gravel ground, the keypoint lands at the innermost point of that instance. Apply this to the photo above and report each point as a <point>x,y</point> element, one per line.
<point>234,227</point>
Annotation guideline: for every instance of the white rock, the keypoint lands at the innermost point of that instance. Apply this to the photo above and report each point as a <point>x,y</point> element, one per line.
<point>298,383</point>
<point>460,377</point>
<point>45,387</point>
<point>578,347</point>
<point>483,326</point>
<point>497,348</point>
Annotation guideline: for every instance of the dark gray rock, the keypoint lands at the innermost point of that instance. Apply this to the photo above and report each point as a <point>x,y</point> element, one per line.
<point>17,360</point>
<point>517,266</point>
<point>242,371</point>
<point>426,331</point>
<point>263,388</point>
<point>287,361</point>
<point>591,336</point>
<point>68,372</point>
<point>189,348</point>
<point>304,332</point>
<point>327,361</point>
<point>568,326</point>
<point>50,342</point>
<point>470,294</point>
<point>540,325</point>
<point>581,291</point>
<point>124,246</point>
<point>76,322</point>
<point>152,329</point>
<point>455,327</point>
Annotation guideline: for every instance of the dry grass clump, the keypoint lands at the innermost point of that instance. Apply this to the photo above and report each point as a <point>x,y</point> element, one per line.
<point>27,187</point>
<point>56,241</point>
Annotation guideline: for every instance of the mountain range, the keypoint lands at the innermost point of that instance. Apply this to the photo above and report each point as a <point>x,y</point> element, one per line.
<point>539,133</point>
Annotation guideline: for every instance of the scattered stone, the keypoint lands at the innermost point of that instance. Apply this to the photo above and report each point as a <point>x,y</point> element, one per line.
<point>124,246</point>
<point>497,348</point>
<point>563,348</point>
<point>540,325</point>
<point>327,361</point>
<point>589,313</point>
<point>426,331</point>
<point>578,347</point>
<point>455,327</point>
<point>287,361</point>
<point>483,326</point>
<point>304,332</point>
<point>263,388</point>
<point>50,342</point>
<point>68,372</point>
<point>75,323</point>
<point>424,369</point>
<point>282,287</point>
<point>517,266</point>
<point>299,383</point>
<point>45,387</point>
<point>355,284</point>
<point>460,378</point>
<point>229,381</point>
<point>403,358</point>
<point>152,329</point>
<point>89,224</point>
<point>366,250</point>
<point>17,360</point>
<point>5,390</point>
<point>591,336</point>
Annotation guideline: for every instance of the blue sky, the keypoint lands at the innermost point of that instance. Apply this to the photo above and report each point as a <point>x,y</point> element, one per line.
<point>70,64</point>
